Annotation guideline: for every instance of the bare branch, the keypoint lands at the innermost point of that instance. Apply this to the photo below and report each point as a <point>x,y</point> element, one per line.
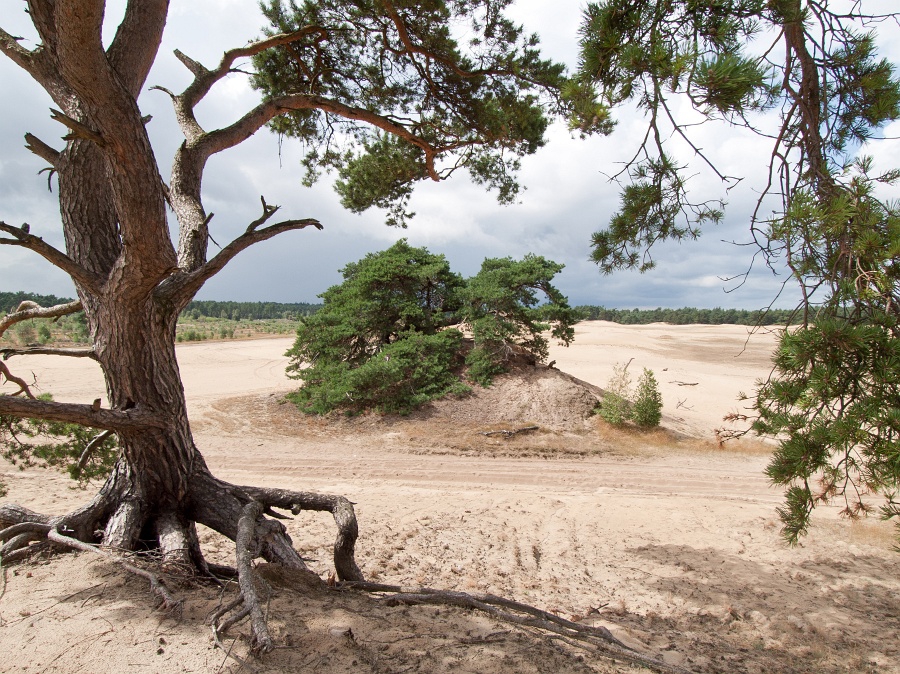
<point>78,129</point>
<point>9,352</point>
<point>268,211</point>
<point>133,419</point>
<point>21,237</point>
<point>196,68</point>
<point>41,149</point>
<point>21,383</point>
<point>28,310</point>
<point>9,45</point>
<point>186,285</point>
<point>95,442</point>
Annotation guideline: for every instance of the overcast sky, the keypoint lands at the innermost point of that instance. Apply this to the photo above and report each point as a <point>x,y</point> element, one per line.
<point>567,198</point>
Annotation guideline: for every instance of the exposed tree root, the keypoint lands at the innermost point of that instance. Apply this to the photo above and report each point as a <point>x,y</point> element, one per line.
<point>247,545</point>
<point>123,515</point>
<point>517,613</point>
<point>157,586</point>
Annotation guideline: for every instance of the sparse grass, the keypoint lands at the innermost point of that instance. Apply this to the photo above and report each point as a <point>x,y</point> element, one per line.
<point>206,328</point>
<point>631,440</point>
<point>873,531</point>
<point>70,330</point>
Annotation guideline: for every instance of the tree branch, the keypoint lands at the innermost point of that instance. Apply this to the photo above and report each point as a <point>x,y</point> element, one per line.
<point>41,149</point>
<point>246,126</point>
<point>21,237</point>
<point>95,442</point>
<point>78,129</point>
<point>204,79</point>
<point>9,46</point>
<point>134,48</point>
<point>183,286</point>
<point>9,352</point>
<point>28,310</point>
<point>85,415</point>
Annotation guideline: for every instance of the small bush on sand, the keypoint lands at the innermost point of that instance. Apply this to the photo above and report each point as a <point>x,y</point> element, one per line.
<point>616,406</point>
<point>620,404</point>
<point>646,410</point>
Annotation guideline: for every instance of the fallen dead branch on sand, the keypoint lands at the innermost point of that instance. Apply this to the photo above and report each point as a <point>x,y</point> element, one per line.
<point>509,433</point>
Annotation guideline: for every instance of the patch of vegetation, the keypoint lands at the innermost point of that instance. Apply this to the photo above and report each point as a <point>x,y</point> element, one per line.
<point>643,406</point>
<point>255,311</point>
<point>687,316</point>
<point>54,444</point>
<point>646,409</point>
<point>391,336</point>
<point>10,300</point>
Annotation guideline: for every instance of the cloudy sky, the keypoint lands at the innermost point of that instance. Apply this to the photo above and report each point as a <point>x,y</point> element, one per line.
<point>567,197</point>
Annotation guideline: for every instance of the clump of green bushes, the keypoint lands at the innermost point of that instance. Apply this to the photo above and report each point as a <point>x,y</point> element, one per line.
<point>642,406</point>
<point>403,329</point>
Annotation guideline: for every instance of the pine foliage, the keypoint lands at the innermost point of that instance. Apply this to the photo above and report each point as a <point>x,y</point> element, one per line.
<point>390,337</point>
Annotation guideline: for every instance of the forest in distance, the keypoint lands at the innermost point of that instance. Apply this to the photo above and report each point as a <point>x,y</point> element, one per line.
<point>294,310</point>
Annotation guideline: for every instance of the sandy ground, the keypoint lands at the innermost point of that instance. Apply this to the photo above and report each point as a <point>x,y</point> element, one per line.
<point>665,538</point>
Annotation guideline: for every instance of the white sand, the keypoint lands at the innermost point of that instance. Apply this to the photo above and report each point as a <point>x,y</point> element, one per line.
<point>672,543</point>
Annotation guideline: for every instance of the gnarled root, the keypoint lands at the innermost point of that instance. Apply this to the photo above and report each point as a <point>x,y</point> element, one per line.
<point>245,514</point>
<point>517,613</point>
<point>157,586</point>
<point>340,508</point>
<point>247,545</point>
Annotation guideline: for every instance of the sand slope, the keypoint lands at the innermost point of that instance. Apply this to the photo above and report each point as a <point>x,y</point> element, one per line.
<point>668,540</point>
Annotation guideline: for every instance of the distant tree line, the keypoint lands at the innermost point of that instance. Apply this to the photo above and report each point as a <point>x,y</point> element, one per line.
<point>249,310</point>
<point>9,300</point>
<point>687,316</point>
<point>295,310</point>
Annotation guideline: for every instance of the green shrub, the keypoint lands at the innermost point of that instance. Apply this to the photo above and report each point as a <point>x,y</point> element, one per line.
<point>646,410</point>
<point>616,405</point>
<point>25,333</point>
<point>483,366</point>
<point>44,334</point>
<point>383,338</point>
<point>620,404</point>
<point>400,377</point>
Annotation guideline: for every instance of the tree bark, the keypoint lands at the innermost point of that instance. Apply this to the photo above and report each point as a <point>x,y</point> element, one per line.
<point>132,284</point>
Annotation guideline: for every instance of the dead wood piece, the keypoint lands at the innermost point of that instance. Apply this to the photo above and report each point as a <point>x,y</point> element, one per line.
<point>509,434</point>
<point>8,352</point>
<point>510,611</point>
<point>684,383</point>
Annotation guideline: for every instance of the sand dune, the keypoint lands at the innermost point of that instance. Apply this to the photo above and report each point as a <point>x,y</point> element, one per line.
<point>665,538</point>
